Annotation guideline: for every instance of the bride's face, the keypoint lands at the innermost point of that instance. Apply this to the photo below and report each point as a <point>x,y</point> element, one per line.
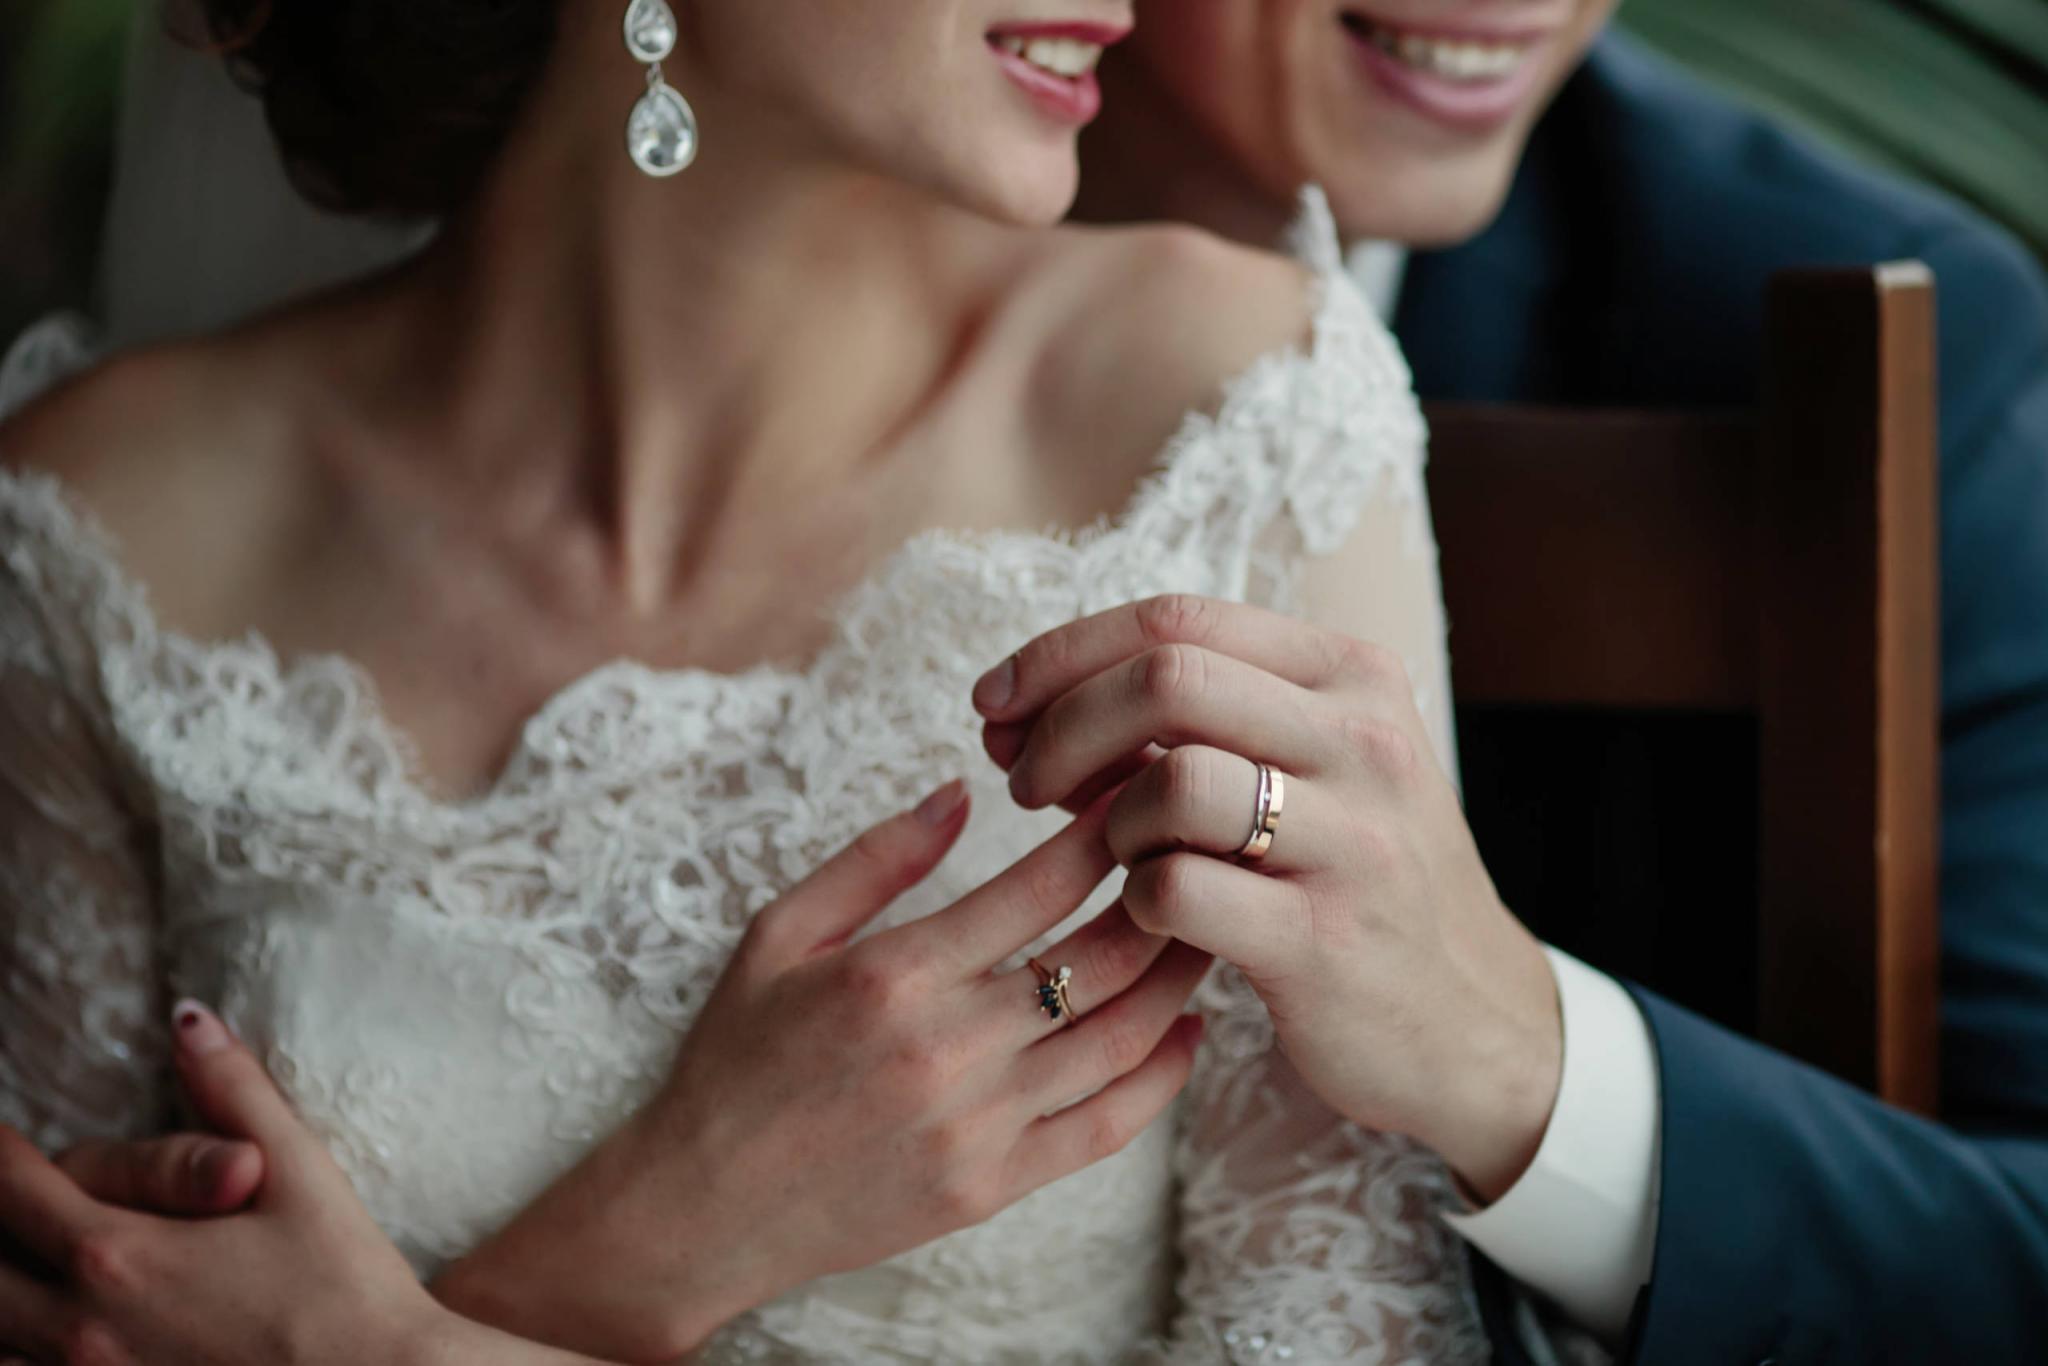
<point>979,101</point>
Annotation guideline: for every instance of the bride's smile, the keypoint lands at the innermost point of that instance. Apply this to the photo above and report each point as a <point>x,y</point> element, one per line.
<point>1055,63</point>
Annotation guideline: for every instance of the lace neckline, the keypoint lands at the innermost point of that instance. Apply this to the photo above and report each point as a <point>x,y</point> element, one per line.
<point>1172,494</point>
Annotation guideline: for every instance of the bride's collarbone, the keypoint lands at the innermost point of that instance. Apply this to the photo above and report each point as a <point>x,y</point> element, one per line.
<point>1160,322</point>
<point>218,509</point>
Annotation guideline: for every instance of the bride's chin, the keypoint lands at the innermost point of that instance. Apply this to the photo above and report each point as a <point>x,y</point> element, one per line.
<point>1033,192</point>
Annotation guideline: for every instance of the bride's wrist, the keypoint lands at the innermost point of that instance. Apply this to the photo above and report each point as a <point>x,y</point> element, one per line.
<point>718,1260</point>
<point>446,1338</point>
<point>630,1257</point>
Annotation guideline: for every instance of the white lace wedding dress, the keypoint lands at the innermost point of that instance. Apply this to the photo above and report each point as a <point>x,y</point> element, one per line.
<point>462,996</point>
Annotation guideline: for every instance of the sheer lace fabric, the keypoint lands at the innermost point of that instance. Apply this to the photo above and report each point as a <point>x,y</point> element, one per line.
<point>462,996</point>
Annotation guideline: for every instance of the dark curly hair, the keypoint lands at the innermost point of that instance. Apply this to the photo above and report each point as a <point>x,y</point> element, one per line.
<point>384,107</point>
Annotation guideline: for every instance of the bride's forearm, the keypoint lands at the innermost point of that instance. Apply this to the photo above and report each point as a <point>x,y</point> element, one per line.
<point>622,1258</point>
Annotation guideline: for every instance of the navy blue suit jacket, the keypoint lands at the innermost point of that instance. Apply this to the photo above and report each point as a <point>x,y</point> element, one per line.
<point>1801,1221</point>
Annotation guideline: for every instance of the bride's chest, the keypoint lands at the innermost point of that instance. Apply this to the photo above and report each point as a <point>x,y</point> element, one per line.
<point>462,1025</point>
<point>463,1000</point>
<point>467,633</point>
<point>458,1053</point>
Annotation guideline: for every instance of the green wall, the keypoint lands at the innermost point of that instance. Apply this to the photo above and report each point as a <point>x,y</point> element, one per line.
<point>1953,92</point>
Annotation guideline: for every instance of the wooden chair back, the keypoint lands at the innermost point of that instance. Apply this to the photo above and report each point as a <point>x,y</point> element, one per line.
<point>1781,564</point>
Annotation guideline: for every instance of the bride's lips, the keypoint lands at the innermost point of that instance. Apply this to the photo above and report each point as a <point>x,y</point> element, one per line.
<point>1470,78</point>
<point>1054,63</point>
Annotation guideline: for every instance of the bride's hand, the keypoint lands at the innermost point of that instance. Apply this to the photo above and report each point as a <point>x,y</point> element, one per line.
<point>836,1105</point>
<point>1400,986</point>
<point>302,1276</point>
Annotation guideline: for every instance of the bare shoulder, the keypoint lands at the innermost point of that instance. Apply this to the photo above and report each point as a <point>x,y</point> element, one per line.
<point>1157,320</point>
<point>173,452</point>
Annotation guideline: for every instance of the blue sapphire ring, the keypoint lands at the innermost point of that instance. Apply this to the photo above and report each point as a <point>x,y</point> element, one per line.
<point>1052,991</point>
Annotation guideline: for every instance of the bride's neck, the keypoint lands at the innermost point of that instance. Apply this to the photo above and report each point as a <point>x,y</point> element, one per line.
<point>656,355</point>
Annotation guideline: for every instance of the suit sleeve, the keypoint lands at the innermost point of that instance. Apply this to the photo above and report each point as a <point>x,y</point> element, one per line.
<point>1800,1219</point>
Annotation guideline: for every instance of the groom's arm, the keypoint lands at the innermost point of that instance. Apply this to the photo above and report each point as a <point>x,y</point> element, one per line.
<point>1798,1217</point>
<point>1797,1210</point>
<point>1801,1220</point>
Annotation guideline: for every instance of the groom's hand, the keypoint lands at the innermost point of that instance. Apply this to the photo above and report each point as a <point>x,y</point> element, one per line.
<point>186,1175</point>
<point>181,1176</point>
<point>1401,988</point>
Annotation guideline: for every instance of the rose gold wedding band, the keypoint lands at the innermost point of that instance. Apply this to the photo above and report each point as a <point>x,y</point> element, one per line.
<point>1271,801</point>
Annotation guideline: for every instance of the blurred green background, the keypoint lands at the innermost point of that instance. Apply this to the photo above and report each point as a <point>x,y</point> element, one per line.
<point>59,68</point>
<point>1954,92</point>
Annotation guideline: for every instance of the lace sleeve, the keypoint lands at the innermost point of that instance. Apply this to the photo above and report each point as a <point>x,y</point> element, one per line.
<point>1303,1238</point>
<point>82,1051</point>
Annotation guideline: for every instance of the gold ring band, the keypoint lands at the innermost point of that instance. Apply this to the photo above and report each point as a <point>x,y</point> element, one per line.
<point>1052,991</point>
<point>1266,810</point>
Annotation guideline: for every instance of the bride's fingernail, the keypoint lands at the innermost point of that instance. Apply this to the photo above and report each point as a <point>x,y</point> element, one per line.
<point>997,686</point>
<point>942,805</point>
<point>199,1030</point>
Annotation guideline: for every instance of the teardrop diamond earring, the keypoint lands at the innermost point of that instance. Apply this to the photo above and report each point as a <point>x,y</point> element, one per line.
<point>661,135</point>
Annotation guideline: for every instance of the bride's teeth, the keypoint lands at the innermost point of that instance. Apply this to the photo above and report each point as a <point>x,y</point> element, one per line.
<point>1063,56</point>
<point>1068,57</point>
<point>1471,62</point>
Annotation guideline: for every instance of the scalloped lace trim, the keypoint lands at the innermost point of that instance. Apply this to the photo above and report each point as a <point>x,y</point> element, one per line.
<point>555,936</point>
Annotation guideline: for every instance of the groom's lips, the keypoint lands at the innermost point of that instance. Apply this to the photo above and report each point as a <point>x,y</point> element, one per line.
<point>1470,78</point>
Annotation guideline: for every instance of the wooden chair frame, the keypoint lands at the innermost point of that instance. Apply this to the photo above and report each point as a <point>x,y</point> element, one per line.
<point>1782,563</point>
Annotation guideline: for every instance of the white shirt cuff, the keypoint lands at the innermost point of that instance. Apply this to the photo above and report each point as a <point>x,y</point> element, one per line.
<point>1580,1226</point>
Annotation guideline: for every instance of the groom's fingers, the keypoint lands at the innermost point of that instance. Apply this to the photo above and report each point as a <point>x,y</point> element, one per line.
<point>1172,696</point>
<point>1005,742</point>
<point>1060,660</point>
<point>41,1211</point>
<point>184,1175</point>
<point>1262,924</point>
<point>31,1317</point>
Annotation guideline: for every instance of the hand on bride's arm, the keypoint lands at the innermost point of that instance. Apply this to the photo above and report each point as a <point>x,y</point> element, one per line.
<point>833,1106</point>
<point>836,1105</point>
<point>301,1276</point>
<point>1400,986</point>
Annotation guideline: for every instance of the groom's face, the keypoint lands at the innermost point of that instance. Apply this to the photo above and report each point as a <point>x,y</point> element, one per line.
<point>1412,113</point>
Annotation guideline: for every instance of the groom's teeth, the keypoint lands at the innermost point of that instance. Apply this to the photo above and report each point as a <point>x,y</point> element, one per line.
<point>1068,57</point>
<point>1469,62</point>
